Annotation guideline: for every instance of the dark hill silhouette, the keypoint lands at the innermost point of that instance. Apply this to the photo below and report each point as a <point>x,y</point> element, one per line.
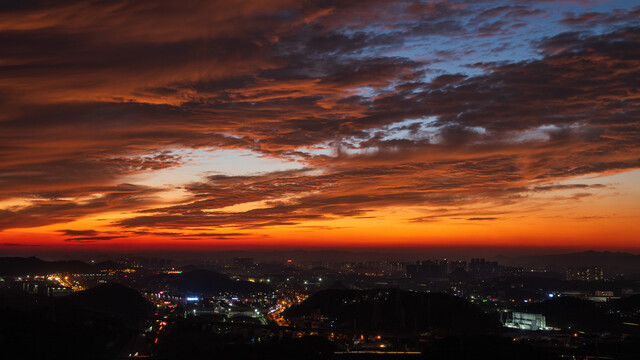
<point>202,282</point>
<point>99,323</point>
<point>108,265</point>
<point>34,266</point>
<point>628,304</point>
<point>338,285</point>
<point>394,310</point>
<point>188,268</point>
<point>113,299</point>
<point>574,313</point>
<point>484,347</point>
<point>187,343</point>
<point>16,266</point>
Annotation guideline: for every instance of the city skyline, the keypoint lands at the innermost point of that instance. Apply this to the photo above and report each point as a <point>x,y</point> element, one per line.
<point>133,127</point>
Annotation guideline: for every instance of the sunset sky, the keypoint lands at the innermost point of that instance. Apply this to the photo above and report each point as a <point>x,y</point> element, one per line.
<point>281,124</point>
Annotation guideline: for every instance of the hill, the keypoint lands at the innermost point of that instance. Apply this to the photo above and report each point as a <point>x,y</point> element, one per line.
<point>394,310</point>
<point>34,266</point>
<point>202,282</point>
<point>99,323</point>
<point>17,266</point>
<point>113,299</point>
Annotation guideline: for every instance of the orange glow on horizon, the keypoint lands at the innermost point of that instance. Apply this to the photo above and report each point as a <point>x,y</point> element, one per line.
<point>285,124</point>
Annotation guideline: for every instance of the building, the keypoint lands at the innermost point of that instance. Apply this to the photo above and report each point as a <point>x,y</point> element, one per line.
<point>526,321</point>
<point>455,265</point>
<point>46,288</point>
<point>428,270</point>
<point>511,271</point>
<point>393,266</point>
<point>586,273</point>
<point>319,264</point>
<point>479,269</point>
<point>243,263</point>
<point>603,296</point>
<point>59,290</point>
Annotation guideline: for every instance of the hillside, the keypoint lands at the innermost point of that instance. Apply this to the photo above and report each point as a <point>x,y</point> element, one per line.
<point>394,310</point>
<point>201,282</point>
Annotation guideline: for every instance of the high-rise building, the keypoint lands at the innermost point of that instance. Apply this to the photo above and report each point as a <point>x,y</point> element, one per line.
<point>454,265</point>
<point>586,273</point>
<point>480,269</point>
<point>243,263</point>
<point>428,270</point>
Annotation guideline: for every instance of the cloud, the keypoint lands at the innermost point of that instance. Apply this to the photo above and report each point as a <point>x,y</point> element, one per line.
<point>58,208</point>
<point>299,196</point>
<point>95,93</point>
<point>591,19</point>
<point>20,245</point>
<point>79,232</point>
<point>92,238</point>
<point>84,236</point>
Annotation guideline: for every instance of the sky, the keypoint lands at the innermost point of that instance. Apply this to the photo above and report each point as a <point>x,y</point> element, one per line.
<point>215,125</point>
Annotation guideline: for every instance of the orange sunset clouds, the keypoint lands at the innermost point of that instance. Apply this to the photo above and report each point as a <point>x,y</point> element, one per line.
<point>135,125</point>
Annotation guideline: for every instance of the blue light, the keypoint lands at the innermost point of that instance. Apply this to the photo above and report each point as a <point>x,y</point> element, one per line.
<point>550,295</point>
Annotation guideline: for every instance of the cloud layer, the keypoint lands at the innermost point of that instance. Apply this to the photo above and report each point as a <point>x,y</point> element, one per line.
<point>446,106</point>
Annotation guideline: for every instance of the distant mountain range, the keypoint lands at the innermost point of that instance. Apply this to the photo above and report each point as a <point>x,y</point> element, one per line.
<point>611,262</point>
<point>17,266</point>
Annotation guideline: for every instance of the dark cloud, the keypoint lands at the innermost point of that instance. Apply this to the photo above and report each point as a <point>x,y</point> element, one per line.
<point>20,245</point>
<point>566,187</point>
<point>591,19</point>
<point>92,238</point>
<point>79,232</point>
<point>517,11</point>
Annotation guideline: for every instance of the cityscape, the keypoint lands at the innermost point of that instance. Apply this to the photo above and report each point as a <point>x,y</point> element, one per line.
<point>320,179</point>
<point>432,309</point>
